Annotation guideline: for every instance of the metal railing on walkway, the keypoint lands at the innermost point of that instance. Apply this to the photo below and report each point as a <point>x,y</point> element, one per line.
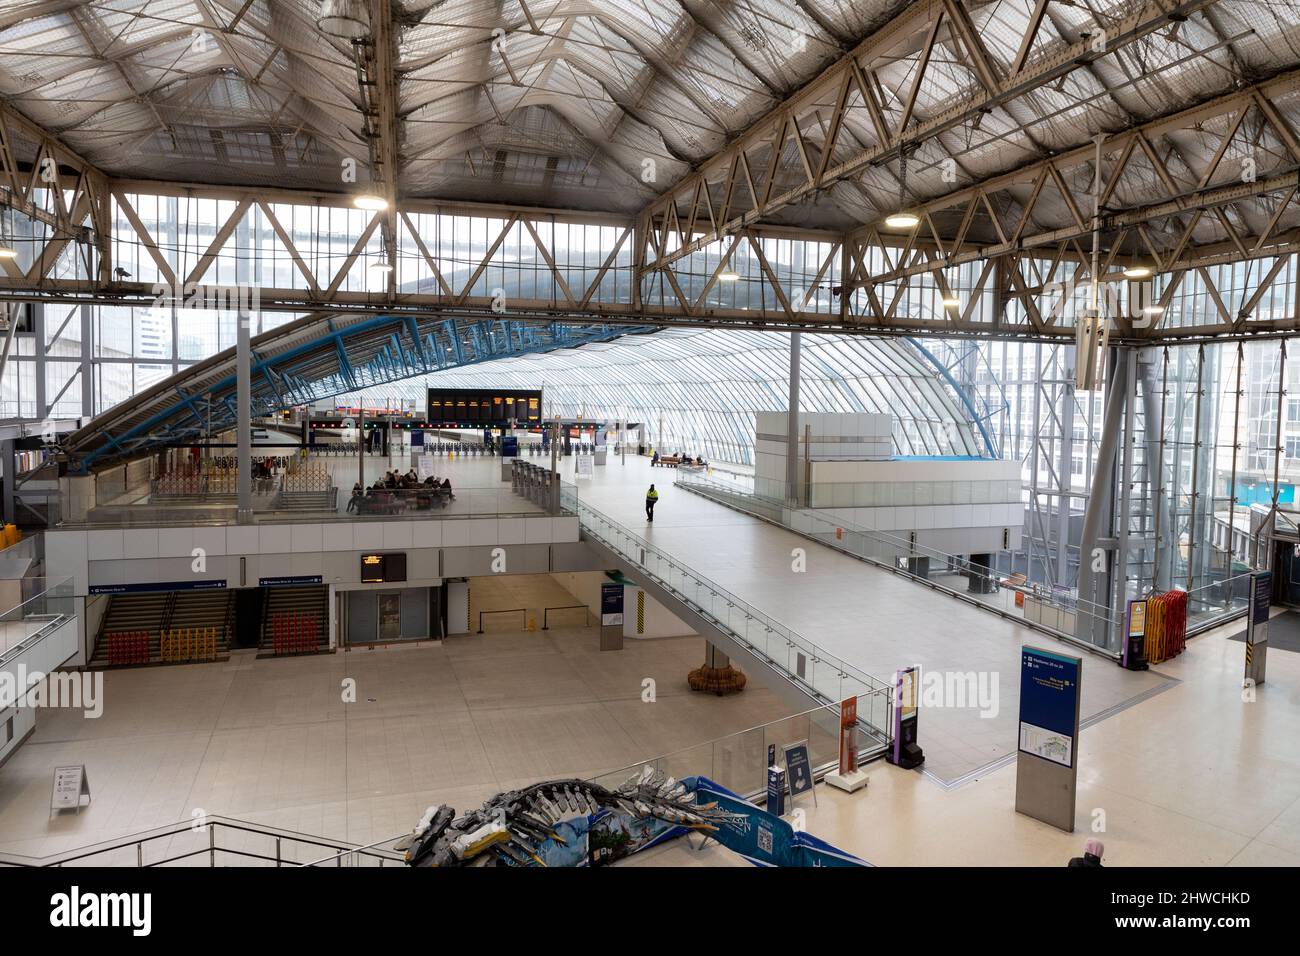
<point>213,841</point>
<point>738,761</point>
<point>819,674</point>
<point>1033,605</point>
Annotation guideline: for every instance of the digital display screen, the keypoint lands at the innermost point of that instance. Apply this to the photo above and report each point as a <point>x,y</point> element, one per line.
<point>383,568</point>
<point>477,406</point>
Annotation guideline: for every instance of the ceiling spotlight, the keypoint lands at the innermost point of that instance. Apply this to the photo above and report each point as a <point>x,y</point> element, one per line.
<point>380,267</point>
<point>344,19</point>
<point>1135,270</point>
<point>951,301</point>
<point>8,252</point>
<point>902,220</point>
<point>728,276</point>
<point>1153,310</point>
<point>370,201</point>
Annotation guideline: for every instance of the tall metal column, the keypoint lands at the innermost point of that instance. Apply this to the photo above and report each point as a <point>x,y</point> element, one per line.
<point>1196,485</point>
<point>9,463</point>
<point>361,439</point>
<point>87,365</point>
<point>1064,475</point>
<point>792,422</point>
<point>1153,426</point>
<point>1099,499</point>
<point>243,420</point>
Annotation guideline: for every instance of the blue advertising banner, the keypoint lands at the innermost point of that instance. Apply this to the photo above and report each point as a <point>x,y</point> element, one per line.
<point>1049,690</point>
<point>509,446</point>
<point>611,604</point>
<point>156,586</point>
<point>417,439</point>
<point>764,838</point>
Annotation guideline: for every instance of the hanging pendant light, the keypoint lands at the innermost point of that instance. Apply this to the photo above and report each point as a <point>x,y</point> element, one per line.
<point>903,218</point>
<point>1137,270</point>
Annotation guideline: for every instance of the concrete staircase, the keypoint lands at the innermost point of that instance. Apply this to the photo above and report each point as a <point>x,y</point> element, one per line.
<point>306,501</point>
<point>155,613</point>
<point>204,609</point>
<point>302,602</point>
<point>128,613</point>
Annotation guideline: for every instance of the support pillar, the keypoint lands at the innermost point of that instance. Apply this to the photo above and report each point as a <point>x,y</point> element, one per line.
<point>716,675</point>
<point>361,440</point>
<point>243,420</point>
<point>8,461</point>
<point>1094,587</point>
<point>792,423</point>
<point>1152,429</point>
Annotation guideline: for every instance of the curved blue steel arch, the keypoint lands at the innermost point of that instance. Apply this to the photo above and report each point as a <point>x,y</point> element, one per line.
<point>461,344</point>
<point>963,395</point>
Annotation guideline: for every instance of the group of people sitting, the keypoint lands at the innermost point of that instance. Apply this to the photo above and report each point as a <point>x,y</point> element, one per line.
<point>674,460</point>
<point>394,491</point>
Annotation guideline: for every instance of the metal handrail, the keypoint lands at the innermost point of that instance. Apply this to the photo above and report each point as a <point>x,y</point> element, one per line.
<point>707,486</point>
<point>813,652</point>
<point>865,753</point>
<point>565,607</point>
<point>511,610</point>
<point>211,824</point>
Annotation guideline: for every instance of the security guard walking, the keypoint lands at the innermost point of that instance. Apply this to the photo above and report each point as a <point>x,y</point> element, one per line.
<point>651,497</point>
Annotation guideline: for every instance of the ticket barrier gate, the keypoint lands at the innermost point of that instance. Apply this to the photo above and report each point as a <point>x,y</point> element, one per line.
<point>539,485</point>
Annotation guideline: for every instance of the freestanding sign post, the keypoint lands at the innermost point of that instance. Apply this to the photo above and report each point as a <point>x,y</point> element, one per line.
<point>905,752</point>
<point>70,785</point>
<point>611,617</point>
<point>798,770</point>
<point>1261,599</point>
<point>848,778</point>
<point>1133,656</point>
<point>1047,762</point>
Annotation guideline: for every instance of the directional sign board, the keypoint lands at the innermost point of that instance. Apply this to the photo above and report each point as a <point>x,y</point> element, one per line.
<point>70,785</point>
<point>798,769</point>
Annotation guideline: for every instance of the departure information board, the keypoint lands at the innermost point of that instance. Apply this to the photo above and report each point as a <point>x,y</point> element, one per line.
<point>464,407</point>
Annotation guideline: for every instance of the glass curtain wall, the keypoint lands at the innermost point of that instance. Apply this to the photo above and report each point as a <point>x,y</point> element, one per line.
<point>698,391</point>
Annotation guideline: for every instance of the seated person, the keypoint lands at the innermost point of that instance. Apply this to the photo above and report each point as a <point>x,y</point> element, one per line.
<point>446,487</point>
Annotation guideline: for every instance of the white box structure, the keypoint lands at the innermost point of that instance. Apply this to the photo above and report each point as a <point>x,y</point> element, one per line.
<point>832,436</point>
<point>952,504</point>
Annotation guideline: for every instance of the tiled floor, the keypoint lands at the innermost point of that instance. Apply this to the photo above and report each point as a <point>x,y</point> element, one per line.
<point>870,618</point>
<point>1188,773</point>
<point>271,741</point>
<point>1191,777</point>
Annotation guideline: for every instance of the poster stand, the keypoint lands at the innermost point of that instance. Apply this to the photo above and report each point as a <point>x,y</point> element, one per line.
<point>849,777</point>
<point>70,785</point>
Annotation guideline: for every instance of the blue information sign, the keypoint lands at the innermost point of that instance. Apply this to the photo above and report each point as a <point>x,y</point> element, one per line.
<point>509,446</point>
<point>776,791</point>
<point>155,586</point>
<point>289,581</point>
<point>1263,596</point>
<point>1049,705</point>
<point>799,769</point>
<point>611,604</point>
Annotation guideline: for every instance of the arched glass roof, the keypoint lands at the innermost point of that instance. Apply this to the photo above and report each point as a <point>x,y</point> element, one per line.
<point>698,390</point>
